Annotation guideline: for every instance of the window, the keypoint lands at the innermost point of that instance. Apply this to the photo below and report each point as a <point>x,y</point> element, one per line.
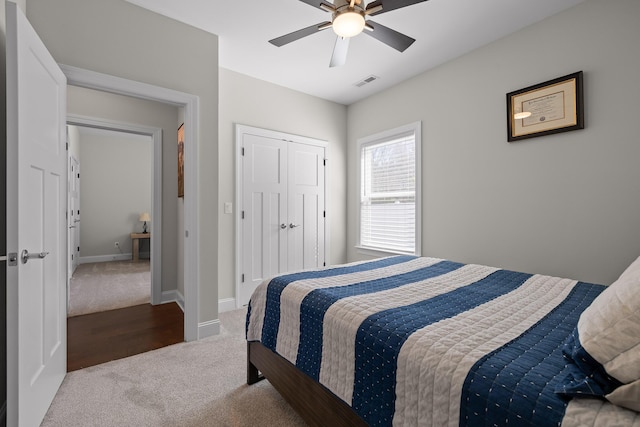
<point>389,190</point>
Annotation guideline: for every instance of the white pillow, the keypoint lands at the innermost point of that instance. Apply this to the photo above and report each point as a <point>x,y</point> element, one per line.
<point>609,330</point>
<point>627,395</point>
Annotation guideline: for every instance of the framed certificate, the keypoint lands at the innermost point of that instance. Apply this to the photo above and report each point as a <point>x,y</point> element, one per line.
<point>546,108</point>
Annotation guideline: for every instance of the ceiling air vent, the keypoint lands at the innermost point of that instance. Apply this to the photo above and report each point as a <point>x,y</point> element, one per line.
<point>367,80</point>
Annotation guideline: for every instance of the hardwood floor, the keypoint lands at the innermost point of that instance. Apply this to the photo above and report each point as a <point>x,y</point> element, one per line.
<point>109,335</point>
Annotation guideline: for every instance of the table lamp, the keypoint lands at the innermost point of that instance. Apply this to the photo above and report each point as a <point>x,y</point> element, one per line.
<point>144,217</point>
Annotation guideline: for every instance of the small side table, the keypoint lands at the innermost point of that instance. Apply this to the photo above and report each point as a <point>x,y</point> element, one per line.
<point>135,239</point>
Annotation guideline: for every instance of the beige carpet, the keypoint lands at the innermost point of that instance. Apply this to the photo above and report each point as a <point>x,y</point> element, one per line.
<point>194,384</point>
<point>102,286</point>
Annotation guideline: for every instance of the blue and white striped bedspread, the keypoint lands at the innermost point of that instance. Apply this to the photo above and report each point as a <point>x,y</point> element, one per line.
<point>423,341</point>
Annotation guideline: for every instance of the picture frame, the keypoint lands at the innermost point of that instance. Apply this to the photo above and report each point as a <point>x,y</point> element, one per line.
<point>546,108</point>
<point>181,161</point>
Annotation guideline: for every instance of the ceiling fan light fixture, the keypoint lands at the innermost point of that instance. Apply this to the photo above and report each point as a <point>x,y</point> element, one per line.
<point>348,23</point>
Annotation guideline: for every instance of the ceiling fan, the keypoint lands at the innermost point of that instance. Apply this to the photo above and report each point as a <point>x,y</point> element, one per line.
<point>348,20</point>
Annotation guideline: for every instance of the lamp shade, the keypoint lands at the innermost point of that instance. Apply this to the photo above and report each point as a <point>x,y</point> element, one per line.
<point>144,216</point>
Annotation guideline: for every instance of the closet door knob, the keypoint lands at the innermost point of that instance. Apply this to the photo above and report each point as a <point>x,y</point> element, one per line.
<point>26,256</point>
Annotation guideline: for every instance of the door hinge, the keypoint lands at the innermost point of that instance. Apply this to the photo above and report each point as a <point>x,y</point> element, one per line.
<point>243,278</point>
<point>324,264</point>
<point>67,148</point>
<point>242,214</point>
<point>324,162</point>
<point>242,149</point>
<point>324,214</point>
<point>78,248</point>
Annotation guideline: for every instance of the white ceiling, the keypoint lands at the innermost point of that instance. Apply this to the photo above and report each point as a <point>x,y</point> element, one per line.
<point>443,29</point>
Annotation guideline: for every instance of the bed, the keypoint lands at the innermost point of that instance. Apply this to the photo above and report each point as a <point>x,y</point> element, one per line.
<point>407,340</point>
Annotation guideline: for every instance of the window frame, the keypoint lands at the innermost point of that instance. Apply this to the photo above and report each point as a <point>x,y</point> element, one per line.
<point>385,136</point>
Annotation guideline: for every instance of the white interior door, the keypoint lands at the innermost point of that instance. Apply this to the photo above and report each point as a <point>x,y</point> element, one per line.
<point>36,205</point>
<point>74,196</point>
<point>282,207</point>
<point>306,206</point>
<point>264,208</point>
<point>73,217</point>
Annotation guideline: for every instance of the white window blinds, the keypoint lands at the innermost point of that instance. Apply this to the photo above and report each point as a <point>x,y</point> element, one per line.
<point>388,193</point>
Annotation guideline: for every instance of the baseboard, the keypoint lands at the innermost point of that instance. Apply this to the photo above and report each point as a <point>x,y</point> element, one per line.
<point>180,300</point>
<point>208,329</point>
<point>226,304</point>
<point>173,296</point>
<point>105,258</point>
<point>205,329</point>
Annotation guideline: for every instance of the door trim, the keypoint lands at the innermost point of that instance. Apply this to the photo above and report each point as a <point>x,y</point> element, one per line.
<point>191,104</point>
<point>240,130</point>
<point>156,189</point>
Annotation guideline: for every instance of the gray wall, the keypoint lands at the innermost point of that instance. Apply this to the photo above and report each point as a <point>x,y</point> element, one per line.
<point>124,109</point>
<point>248,101</point>
<point>566,204</point>
<point>562,205</point>
<point>120,39</point>
<point>115,187</point>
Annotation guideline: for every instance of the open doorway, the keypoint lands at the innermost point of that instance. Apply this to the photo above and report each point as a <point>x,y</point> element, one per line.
<point>110,207</point>
<point>128,120</point>
<point>126,149</point>
<point>188,106</point>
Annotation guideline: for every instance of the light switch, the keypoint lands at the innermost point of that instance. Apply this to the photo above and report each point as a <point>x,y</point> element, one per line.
<point>228,207</point>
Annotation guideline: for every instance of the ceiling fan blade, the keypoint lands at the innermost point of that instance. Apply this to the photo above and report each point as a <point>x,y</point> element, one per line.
<point>318,3</point>
<point>291,37</point>
<point>389,37</point>
<point>388,5</point>
<point>339,56</point>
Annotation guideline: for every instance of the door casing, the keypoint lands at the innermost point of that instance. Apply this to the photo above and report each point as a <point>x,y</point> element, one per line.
<point>156,189</point>
<point>191,104</point>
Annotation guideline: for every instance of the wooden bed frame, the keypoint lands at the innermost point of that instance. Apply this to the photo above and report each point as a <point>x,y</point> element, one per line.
<point>314,403</point>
